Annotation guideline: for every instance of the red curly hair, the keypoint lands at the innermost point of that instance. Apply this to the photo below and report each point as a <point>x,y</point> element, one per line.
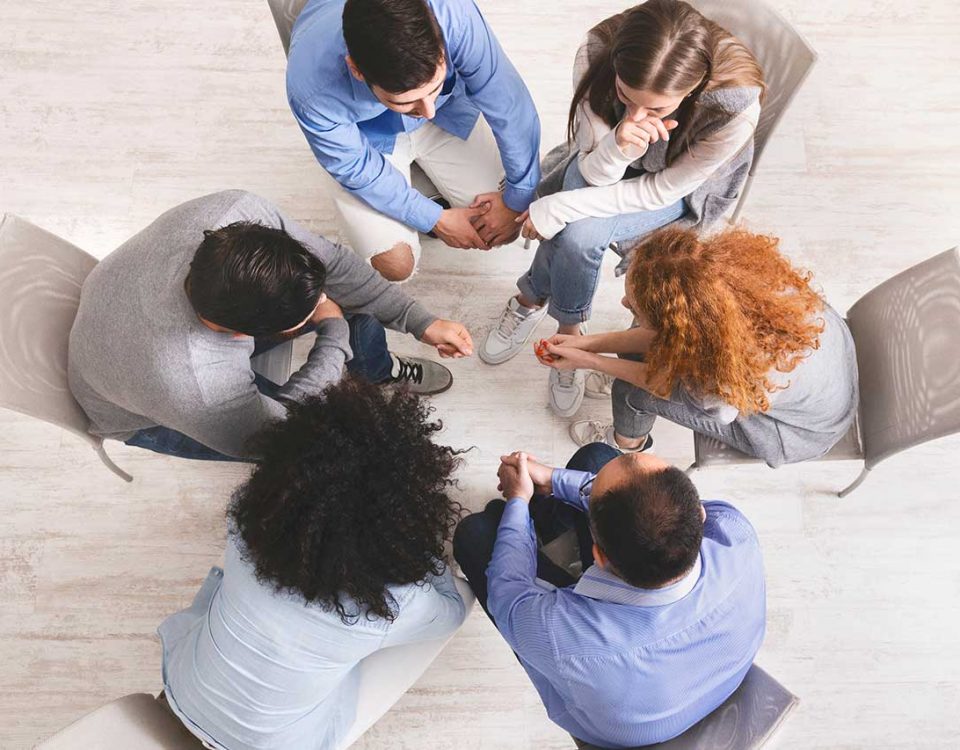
<point>727,310</point>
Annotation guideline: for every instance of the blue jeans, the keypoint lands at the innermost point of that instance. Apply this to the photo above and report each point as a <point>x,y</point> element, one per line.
<point>371,360</point>
<point>476,534</point>
<point>566,269</point>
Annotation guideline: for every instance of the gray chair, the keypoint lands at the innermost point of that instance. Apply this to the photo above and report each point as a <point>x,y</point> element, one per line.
<point>785,56</point>
<point>137,721</point>
<point>40,280</point>
<point>285,14</point>
<point>745,721</point>
<point>907,332</point>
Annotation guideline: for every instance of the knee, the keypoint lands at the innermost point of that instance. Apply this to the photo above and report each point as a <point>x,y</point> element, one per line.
<point>592,457</point>
<point>580,239</point>
<point>396,264</point>
<point>477,530</point>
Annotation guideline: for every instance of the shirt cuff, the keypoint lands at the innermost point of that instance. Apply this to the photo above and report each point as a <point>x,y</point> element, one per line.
<point>546,223</point>
<point>518,199</point>
<point>424,214</point>
<point>572,487</point>
<point>517,515</point>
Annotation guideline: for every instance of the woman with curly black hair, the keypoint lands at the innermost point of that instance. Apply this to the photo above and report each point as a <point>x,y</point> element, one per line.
<point>334,552</point>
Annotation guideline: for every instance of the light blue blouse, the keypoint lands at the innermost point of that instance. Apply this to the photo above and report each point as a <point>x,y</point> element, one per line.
<point>248,668</point>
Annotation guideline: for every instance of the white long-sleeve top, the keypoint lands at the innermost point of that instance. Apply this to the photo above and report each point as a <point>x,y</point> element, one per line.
<point>602,163</point>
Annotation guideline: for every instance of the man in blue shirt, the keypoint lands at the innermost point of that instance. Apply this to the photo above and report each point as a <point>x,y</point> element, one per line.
<point>377,85</point>
<point>664,622</point>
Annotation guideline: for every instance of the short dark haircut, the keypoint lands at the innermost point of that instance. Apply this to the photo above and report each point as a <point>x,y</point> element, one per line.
<point>649,527</point>
<point>254,279</point>
<point>351,494</point>
<point>396,44</point>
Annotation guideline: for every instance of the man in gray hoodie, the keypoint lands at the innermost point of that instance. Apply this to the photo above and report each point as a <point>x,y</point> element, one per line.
<point>161,346</point>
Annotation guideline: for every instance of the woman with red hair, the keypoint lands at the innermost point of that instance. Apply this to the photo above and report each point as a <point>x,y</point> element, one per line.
<point>729,340</point>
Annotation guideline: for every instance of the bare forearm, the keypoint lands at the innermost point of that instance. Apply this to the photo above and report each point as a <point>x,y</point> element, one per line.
<point>630,341</point>
<point>632,372</point>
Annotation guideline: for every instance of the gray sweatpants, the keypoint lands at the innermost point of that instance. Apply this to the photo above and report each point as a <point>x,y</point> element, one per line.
<point>635,410</point>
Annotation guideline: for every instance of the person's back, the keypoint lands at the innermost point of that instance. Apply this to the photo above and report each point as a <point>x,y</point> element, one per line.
<point>664,622</point>
<point>662,665</point>
<point>136,335</point>
<point>246,645</point>
<point>327,562</point>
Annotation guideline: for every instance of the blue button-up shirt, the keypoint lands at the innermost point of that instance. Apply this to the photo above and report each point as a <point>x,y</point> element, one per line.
<point>349,129</point>
<point>618,666</point>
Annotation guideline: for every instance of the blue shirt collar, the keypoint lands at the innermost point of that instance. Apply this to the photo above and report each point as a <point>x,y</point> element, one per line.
<point>598,583</point>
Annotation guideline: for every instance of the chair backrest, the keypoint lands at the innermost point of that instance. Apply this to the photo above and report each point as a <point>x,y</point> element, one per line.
<point>784,55</point>
<point>285,12</point>
<point>135,721</point>
<point>745,721</point>
<point>40,280</point>
<point>907,332</point>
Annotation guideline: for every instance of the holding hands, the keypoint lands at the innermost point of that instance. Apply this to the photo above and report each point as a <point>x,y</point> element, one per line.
<point>564,352</point>
<point>497,225</point>
<point>643,132</point>
<point>522,475</point>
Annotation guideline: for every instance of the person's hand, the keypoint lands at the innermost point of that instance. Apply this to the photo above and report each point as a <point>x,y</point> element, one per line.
<point>514,476</point>
<point>540,474</point>
<point>455,227</point>
<point>641,134</point>
<point>326,309</point>
<point>498,225</point>
<point>568,340</point>
<point>528,231</point>
<point>565,358</point>
<point>451,339</point>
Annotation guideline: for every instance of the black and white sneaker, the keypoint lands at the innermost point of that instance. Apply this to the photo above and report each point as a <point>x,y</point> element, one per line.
<point>422,376</point>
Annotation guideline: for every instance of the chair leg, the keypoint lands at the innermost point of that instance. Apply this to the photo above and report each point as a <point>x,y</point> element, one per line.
<point>108,462</point>
<point>691,468</point>
<point>856,483</point>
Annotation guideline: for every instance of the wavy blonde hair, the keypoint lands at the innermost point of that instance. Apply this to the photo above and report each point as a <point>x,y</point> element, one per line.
<point>727,310</point>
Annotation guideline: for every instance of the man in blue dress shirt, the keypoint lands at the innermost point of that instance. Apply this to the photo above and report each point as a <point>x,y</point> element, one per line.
<point>664,622</point>
<point>377,85</point>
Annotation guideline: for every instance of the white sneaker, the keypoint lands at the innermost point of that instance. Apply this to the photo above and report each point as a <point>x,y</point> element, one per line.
<point>598,385</point>
<point>517,323</point>
<point>566,392</point>
<point>589,431</point>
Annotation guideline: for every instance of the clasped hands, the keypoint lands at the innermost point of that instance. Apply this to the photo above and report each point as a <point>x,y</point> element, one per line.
<point>485,223</point>
<point>522,476</point>
<point>566,352</point>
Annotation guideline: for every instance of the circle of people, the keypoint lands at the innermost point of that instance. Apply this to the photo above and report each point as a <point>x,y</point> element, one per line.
<point>336,542</point>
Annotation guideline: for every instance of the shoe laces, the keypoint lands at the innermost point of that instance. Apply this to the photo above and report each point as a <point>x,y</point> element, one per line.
<point>509,321</point>
<point>598,431</point>
<point>599,382</point>
<point>565,378</point>
<point>409,372</point>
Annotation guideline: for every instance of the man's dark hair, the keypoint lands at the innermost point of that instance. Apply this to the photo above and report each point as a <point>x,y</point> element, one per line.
<point>254,279</point>
<point>351,494</point>
<point>650,527</point>
<point>396,44</point>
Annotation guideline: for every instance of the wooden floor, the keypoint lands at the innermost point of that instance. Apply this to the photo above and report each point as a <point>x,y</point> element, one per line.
<point>111,112</point>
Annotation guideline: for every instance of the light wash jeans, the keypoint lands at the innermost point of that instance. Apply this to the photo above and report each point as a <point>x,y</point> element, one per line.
<point>566,269</point>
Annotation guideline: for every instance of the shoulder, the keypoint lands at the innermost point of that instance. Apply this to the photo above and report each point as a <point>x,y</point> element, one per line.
<point>728,526</point>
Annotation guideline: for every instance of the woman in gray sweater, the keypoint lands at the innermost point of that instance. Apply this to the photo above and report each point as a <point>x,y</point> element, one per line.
<point>729,340</point>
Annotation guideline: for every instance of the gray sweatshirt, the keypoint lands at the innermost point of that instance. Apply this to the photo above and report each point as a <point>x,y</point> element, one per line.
<point>140,357</point>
